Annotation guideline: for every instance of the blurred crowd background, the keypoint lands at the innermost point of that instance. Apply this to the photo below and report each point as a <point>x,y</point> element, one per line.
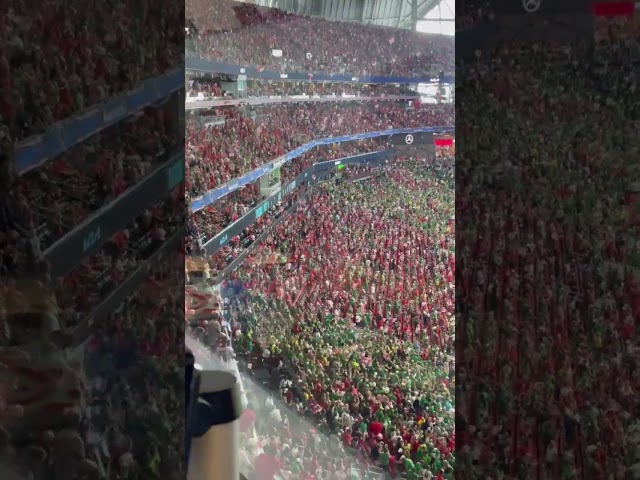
<point>547,305</point>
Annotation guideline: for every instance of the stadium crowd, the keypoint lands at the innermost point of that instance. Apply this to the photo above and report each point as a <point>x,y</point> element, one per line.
<point>549,297</point>
<point>80,290</point>
<point>212,219</point>
<point>55,197</point>
<point>93,427</point>
<point>238,244</point>
<point>64,419</point>
<point>314,44</point>
<point>217,154</point>
<point>277,307</point>
<point>396,286</point>
<point>124,374</point>
<point>59,64</point>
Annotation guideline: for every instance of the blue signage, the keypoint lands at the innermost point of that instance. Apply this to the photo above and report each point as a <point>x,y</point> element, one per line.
<point>65,134</point>
<point>91,240</point>
<point>216,194</point>
<point>212,66</point>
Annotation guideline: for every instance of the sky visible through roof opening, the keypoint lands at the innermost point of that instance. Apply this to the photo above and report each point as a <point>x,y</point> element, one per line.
<point>440,19</point>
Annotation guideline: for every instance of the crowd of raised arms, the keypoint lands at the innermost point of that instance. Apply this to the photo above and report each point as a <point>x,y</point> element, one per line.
<point>359,377</point>
<point>348,305</point>
<point>549,294</point>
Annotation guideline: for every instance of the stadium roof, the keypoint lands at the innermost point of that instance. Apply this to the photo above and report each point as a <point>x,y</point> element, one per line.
<point>388,13</point>
<point>396,13</point>
<point>441,18</point>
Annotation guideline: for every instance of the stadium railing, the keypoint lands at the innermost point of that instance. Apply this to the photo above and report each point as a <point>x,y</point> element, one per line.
<point>65,134</point>
<point>224,102</point>
<point>90,235</point>
<point>306,178</point>
<point>198,203</point>
<point>216,66</point>
<point>127,287</point>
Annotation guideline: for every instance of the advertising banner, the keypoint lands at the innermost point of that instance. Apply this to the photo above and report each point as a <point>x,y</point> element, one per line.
<point>414,139</point>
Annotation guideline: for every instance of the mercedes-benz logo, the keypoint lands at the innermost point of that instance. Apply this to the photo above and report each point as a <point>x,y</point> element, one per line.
<point>409,139</point>
<point>531,6</point>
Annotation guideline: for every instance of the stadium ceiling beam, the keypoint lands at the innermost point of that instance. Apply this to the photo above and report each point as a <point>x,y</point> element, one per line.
<point>424,7</point>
